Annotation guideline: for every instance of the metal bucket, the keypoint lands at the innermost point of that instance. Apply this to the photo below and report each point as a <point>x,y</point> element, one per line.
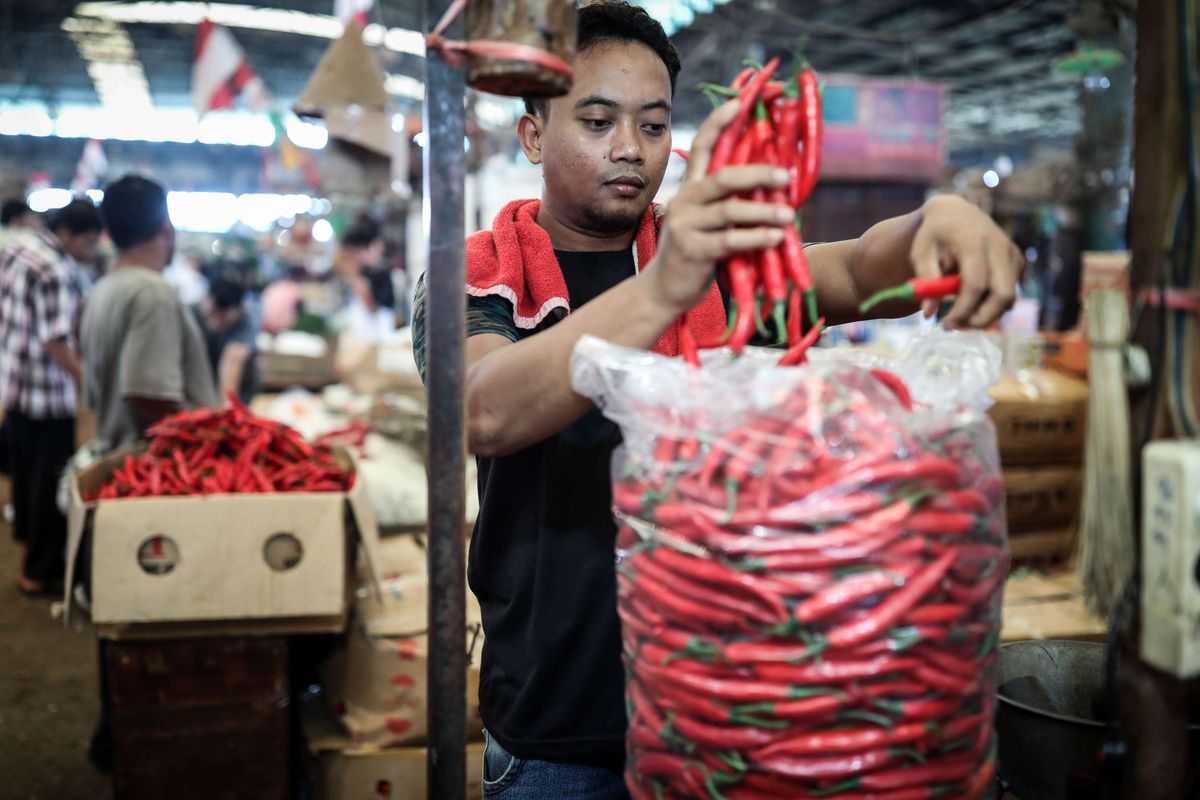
<point>1048,720</point>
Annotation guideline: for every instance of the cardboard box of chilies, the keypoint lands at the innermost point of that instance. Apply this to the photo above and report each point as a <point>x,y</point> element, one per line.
<point>205,565</point>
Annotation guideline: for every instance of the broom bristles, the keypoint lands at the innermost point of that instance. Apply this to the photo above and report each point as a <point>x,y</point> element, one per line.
<point>1106,549</point>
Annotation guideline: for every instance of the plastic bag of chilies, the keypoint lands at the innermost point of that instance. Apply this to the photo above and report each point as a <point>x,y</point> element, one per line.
<point>809,567</point>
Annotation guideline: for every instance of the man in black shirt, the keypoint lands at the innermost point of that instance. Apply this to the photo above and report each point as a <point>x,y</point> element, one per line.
<point>541,560</point>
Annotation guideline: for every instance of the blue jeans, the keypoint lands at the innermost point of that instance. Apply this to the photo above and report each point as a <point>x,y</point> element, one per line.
<point>507,777</point>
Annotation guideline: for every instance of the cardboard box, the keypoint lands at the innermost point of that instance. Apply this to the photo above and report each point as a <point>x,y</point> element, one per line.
<point>375,684</point>
<point>397,774</point>
<point>238,563</point>
<point>278,371</point>
<point>1040,417</point>
<point>376,367</point>
<point>1038,497</point>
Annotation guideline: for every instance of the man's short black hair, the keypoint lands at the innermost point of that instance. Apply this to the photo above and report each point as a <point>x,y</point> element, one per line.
<point>13,209</point>
<point>363,233</point>
<point>617,21</point>
<point>78,216</point>
<point>134,210</point>
<point>227,292</point>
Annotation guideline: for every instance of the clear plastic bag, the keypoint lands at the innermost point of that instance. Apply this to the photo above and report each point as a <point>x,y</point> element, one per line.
<point>810,565</point>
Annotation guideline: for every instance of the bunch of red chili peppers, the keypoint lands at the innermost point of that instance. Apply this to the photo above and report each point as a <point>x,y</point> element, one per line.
<point>779,124</point>
<point>809,599</point>
<point>210,451</point>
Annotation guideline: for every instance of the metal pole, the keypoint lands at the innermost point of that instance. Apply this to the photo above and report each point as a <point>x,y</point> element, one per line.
<point>445,320</point>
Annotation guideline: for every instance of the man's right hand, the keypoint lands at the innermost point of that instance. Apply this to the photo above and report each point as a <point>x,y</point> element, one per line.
<point>705,224</point>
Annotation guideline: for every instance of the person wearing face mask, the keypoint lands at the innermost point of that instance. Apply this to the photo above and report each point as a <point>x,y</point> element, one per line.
<point>595,256</point>
<point>40,372</point>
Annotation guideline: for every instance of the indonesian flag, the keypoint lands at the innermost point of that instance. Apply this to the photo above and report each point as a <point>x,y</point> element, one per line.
<point>221,72</point>
<point>352,11</point>
<point>92,165</point>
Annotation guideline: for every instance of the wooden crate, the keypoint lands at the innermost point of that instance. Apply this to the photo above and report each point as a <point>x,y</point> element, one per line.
<point>1048,605</point>
<point>201,718</point>
<point>1042,546</point>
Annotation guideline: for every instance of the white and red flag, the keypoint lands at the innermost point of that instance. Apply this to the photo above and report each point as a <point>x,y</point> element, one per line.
<point>221,73</point>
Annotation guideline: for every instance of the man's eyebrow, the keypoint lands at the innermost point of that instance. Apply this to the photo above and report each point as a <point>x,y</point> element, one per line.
<point>596,100</point>
<point>608,102</point>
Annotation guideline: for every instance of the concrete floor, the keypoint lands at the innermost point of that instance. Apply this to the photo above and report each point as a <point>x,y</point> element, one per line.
<point>48,698</point>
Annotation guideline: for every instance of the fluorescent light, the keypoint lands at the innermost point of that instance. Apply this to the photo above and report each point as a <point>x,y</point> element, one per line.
<point>46,199</point>
<point>203,212</point>
<point>306,134</point>
<point>112,63</point>
<point>234,15</point>
<point>25,121</point>
<point>405,86</point>
<point>322,231</point>
<point>990,179</point>
<point>261,211</point>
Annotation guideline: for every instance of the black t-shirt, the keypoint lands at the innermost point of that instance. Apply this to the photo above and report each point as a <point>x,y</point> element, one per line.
<point>542,564</point>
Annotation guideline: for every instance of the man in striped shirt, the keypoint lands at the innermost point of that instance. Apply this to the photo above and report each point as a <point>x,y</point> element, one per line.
<point>40,373</point>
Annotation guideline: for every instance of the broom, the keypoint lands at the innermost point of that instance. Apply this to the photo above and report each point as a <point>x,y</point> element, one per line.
<point>1106,556</point>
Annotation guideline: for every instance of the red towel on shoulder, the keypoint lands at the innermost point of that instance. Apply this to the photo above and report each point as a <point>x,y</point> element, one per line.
<point>515,260</point>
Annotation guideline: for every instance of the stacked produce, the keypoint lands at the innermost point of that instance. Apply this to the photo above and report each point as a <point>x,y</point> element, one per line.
<point>224,451</point>
<point>809,588</point>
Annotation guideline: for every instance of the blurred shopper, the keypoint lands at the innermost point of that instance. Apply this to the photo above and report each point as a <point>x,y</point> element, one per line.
<point>40,373</point>
<point>17,219</point>
<point>229,334</point>
<point>144,355</point>
<point>186,275</point>
<point>282,301</point>
<point>371,297</point>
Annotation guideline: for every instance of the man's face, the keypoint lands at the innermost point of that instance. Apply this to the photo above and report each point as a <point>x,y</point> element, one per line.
<point>604,146</point>
<point>81,246</point>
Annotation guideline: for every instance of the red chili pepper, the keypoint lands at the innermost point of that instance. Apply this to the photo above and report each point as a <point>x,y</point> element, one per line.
<point>916,290</point>
<point>920,775</point>
<point>698,613</point>
<point>687,343</point>
<point>698,706</point>
<point>719,575</point>
<point>796,355</point>
<point>683,587</point>
<point>740,690</point>
<point>748,98</point>
<point>724,736</point>
<point>847,741</point>
<point>810,99</point>
<point>894,607</point>
<point>935,522</point>
<point>935,614</point>
<point>852,590</point>
<point>827,671</point>
<point>741,282</point>
<point>838,766</point>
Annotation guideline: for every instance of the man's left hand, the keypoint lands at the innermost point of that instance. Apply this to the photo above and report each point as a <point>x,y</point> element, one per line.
<point>955,236</point>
